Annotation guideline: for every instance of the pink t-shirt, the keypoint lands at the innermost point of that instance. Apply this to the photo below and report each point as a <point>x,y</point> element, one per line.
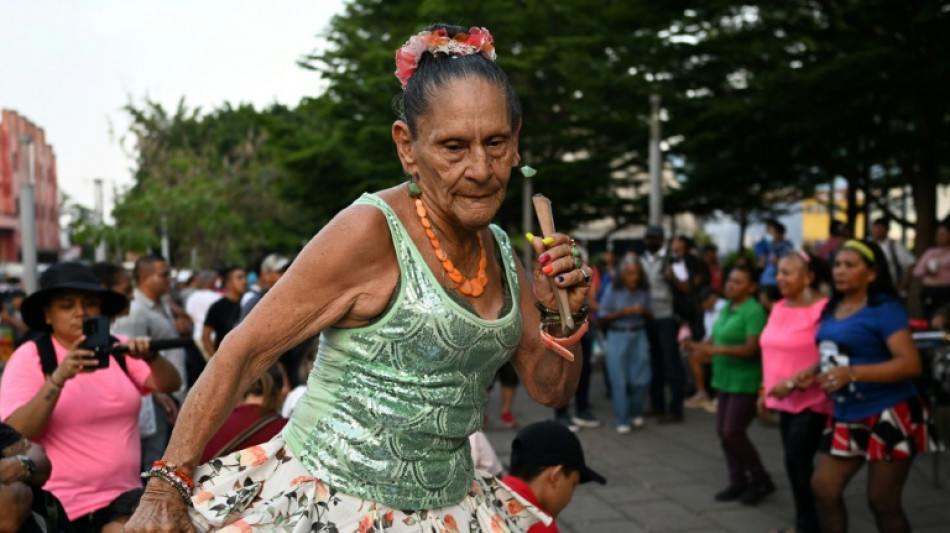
<point>92,438</point>
<point>788,346</point>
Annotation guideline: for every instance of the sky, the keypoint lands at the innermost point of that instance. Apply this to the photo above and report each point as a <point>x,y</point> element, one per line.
<point>70,67</point>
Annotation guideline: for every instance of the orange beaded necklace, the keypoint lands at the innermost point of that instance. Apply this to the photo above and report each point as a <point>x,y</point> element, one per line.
<point>469,287</point>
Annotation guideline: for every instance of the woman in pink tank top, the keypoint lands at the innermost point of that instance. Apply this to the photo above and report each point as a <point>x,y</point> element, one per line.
<point>788,346</point>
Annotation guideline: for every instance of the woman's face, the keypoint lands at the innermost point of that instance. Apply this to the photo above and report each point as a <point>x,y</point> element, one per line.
<point>851,273</point>
<point>65,312</point>
<point>463,152</point>
<point>631,276</point>
<point>793,276</point>
<point>739,286</point>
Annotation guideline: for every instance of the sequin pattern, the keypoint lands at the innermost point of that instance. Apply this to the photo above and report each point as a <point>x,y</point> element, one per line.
<point>389,407</point>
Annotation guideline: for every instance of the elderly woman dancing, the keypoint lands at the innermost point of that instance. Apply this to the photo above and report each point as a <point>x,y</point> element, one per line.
<point>419,300</point>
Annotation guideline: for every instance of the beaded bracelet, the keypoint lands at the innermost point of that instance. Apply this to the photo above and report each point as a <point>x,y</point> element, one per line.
<point>174,476</point>
<point>554,314</point>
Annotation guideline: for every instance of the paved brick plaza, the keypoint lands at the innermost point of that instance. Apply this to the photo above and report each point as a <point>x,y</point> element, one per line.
<point>663,478</point>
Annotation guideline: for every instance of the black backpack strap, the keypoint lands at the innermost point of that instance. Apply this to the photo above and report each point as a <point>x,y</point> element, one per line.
<point>120,358</point>
<point>44,345</point>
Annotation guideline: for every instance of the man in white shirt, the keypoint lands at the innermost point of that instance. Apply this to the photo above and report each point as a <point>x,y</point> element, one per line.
<point>199,302</point>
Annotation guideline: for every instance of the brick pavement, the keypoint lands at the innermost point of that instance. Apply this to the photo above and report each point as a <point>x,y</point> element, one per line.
<point>662,478</point>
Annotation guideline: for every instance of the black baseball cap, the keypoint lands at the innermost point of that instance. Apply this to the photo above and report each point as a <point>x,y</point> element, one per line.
<point>551,444</point>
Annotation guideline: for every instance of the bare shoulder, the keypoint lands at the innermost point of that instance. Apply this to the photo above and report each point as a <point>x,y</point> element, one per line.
<point>351,262</point>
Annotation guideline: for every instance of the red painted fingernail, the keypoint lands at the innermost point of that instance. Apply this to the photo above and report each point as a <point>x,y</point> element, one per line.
<point>548,269</point>
<point>544,258</point>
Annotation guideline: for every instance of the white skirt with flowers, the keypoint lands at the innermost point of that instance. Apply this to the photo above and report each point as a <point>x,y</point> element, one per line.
<point>265,488</point>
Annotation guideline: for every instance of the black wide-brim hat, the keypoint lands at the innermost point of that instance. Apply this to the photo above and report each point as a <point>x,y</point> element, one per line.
<point>68,276</point>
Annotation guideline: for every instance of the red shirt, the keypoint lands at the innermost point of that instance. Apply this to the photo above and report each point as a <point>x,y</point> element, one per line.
<point>522,488</point>
<point>243,417</point>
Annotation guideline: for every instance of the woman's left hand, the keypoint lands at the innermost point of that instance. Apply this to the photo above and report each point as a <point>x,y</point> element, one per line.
<point>559,261</point>
<point>834,379</point>
<point>138,347</point>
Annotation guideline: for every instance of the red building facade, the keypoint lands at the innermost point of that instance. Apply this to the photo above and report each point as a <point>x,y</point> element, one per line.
<point>14,159</point>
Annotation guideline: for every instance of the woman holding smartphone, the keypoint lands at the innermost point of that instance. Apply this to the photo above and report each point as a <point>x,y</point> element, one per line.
<point>868,362</point>
<point>85,416</point>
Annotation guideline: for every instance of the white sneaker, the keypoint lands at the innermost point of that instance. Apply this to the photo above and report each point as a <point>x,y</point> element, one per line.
<point>697,401</point>
<point>638,422</point>
<point>711,406</point>
<point>623,429</point>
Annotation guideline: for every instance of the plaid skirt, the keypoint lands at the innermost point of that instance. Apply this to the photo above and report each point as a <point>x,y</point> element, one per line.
<point>898,432</point>
<point>265,488</point>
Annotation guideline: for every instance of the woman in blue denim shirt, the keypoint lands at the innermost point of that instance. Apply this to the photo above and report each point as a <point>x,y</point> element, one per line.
<point>625,310</point>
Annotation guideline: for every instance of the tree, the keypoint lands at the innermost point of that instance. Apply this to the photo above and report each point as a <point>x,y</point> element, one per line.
<point>205,180</point>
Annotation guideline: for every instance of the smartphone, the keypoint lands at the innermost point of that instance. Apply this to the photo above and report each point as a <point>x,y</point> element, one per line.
<point>832,355</point>
<point>96,330</point>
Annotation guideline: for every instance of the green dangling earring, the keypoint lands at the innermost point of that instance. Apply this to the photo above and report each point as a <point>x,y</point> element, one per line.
<point>414,190</point>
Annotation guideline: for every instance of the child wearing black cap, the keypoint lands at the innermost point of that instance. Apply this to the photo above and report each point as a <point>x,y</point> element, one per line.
<point>547,464</point>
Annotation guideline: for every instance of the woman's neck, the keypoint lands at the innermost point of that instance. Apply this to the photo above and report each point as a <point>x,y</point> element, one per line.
<point>803,299</point>
<point>63,341</point>
<point>739,301</point>
<point>855,298</point>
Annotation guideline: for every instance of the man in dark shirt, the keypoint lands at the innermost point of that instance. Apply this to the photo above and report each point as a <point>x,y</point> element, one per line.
<point>223,315</point>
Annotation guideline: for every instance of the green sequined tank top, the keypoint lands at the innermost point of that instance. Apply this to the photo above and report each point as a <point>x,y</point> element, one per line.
<point>389,406</point>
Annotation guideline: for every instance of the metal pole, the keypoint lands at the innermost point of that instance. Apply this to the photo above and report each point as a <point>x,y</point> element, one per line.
<point>527,209</point>
<point>165,246</point>
<point>28,219</point>
<point>100,208</point>
<point>656,184</point>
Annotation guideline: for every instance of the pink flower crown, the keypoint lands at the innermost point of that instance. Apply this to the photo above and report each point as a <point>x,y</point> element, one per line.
<point>477,41</point>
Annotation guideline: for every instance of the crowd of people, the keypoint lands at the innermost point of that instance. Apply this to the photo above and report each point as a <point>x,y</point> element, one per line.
<point>821,339</point>
<point>345,389</point>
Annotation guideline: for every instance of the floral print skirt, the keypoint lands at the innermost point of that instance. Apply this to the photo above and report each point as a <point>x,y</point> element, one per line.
<point>264,488</point>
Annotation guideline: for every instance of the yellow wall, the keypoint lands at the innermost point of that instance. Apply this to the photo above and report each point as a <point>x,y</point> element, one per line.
<point>816,222</point>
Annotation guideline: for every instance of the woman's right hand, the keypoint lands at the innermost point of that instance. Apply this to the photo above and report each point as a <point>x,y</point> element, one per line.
<point>77,361</point>
<point>806,377</point>
<point>161,510</point>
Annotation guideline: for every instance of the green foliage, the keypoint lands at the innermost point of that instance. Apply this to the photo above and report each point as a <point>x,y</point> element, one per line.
<point>208,181</point>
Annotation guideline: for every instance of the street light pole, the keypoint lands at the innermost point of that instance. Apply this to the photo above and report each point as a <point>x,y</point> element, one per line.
<point>28,218</point>
<point>100,208</point>
<point>656,184</point>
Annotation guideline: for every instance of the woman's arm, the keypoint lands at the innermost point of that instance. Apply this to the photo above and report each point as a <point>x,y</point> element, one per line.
<point>164,376</point>
<point>344,276</point>
<point>749,349</point>
<point>35,452</point>
<point>206,341</point>
<point>548,377</point>
<point>904,365</point>
<point>31,418</point>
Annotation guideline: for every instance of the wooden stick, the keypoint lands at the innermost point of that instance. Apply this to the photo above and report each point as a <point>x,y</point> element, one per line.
<point>542,207</point>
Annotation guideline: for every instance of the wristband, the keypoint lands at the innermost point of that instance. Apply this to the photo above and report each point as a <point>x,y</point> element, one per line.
<point>174,476</point>
<point>55,385</point>
<point>854,377</point>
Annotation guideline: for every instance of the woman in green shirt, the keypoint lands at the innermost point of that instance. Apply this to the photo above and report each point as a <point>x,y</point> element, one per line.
<point>737,374</point>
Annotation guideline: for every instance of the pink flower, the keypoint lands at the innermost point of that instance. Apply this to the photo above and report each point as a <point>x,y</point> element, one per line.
<point>300,479</point>
<point>515,507</point>
<point>253,456</point>
<point>478,40</point>
<point>451,524</point>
